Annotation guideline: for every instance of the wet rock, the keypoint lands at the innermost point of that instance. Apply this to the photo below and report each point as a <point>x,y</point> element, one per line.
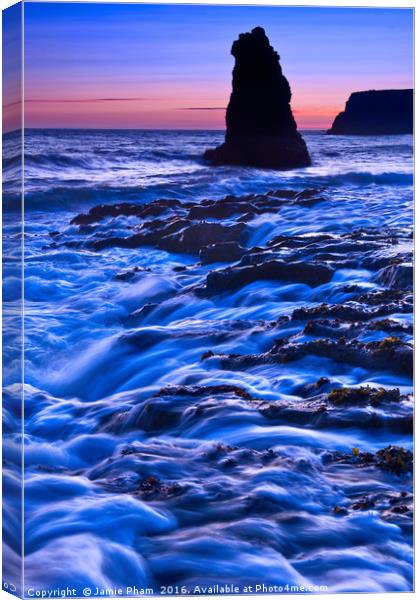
<point>152,416</point>
<point>333,328</point>
<point>309,193</point>
<point>401,509</point>
<point>178,235</point>
<point>312,389</point>
<point>397,276</point>
<point>390,354</point>
<point>304,414</point>
<point>152,488</point>
<point>338,328</point>
<point>275,270</point>
<point>340,511</point>
<point>121,484</point>
<point>309,197</point>
<point>149,234</point>
<point>363,395</point>
<point>323,411</point>
<point>399,299</point>
<point>223,252</point>
<point>395,507</point>
<point>239,206</point>
<point>194,237</point>
<point>97,213</point>
<point>137,315</point>
<point>261,130</point>
<point>340,311</point>
<point>204,390</point>
<point>401,514</point>
<point>352,311</point>
<point>370,249</point>
<point>161,413</point>
<point>219,449</point>
<point>125,209</point>
<point>282,193</point>
<point>131,274</point>
<point>365,503</point>
<point>217,210</point>
<point>298,241</point>
<point>395,459</point>
<point>390,326</point>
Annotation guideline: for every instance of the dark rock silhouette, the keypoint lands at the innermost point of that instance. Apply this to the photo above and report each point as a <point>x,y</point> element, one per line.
<point>261,130</point>
<point>376,112</point>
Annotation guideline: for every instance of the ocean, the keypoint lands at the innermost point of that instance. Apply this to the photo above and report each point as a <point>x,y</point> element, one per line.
<point>184,356</point>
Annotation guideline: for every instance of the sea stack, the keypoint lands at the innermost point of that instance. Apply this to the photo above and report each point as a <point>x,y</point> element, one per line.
<point>376,112</point>
<point>260,128</point>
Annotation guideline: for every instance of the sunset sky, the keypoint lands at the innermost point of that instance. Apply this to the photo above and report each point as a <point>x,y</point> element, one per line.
<point>149,66</point>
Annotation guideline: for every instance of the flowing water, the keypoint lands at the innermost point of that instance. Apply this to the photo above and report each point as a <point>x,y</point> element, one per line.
<point>181,424</point>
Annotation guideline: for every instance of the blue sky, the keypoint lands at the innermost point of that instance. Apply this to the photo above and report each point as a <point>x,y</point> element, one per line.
<point>12,67</point>
<point>133,65</point>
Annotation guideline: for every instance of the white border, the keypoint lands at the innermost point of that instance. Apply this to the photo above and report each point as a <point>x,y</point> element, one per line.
<point>315,3</point>
<point>337,3</point>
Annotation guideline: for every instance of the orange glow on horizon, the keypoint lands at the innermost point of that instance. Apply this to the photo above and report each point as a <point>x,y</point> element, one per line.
<point>12,116</point>
<point>142,113</point>
<point>170,66</point>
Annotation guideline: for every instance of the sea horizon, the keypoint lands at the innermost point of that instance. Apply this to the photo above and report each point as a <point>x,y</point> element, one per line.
<point>181,129</point>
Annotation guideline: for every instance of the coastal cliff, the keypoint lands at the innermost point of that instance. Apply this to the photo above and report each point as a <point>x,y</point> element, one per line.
<point>376,112</point>
<point>261,130</point>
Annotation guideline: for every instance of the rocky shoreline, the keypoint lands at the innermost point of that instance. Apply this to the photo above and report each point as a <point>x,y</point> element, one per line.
<point>216,234</point>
